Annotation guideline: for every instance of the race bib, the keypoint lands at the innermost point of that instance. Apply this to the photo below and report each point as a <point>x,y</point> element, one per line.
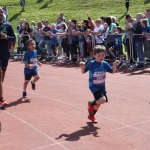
<point>99,78</point>
<point>33,61</point>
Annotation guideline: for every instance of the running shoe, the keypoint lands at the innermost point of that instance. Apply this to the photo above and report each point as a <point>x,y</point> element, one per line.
<point>3,103</point>
<point>24,94</point>
<point>33,85</point>
<point>92,118</point>
<point>90,108</point>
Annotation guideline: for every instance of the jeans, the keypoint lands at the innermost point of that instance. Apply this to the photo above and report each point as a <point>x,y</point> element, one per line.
<point>42,44</point>
<point>139,50</point>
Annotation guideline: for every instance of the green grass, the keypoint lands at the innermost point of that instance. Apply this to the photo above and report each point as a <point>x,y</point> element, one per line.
<point>42,9</point>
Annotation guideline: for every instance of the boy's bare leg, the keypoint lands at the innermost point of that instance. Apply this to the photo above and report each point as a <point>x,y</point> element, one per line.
<point>102,100</point>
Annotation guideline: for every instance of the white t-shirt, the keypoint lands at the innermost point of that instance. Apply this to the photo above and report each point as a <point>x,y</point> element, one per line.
<point>97,39</point>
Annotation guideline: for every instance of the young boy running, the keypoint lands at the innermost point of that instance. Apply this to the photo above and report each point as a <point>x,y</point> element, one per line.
<point>31,66</point>
<point>97,74</point>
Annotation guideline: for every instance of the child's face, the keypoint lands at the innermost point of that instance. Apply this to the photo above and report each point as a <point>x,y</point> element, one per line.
<point>147,14</point>
<point>78,28</point>
<point>105,26</point>
<point>117,30</point>
<point>143,24</point>
<point>53,27</point>
<point>99,56</point>
<point>31,46</point>
<point>87,31</point>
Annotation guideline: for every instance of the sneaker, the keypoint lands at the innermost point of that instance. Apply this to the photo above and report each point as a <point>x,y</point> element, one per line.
<point>24,94</point>
<point>92,118</point>
<point>3,103</point>
<point>33,85</point>
<point>148,60</point>
<point>90,108</point>
<point>139,67</point>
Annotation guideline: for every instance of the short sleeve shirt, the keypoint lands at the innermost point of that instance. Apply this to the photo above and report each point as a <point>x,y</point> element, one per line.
<point>97,75</point>
<point>31,58</point>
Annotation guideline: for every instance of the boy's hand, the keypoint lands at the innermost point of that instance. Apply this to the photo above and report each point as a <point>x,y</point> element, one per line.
<point>116,63</point>
<point>82,63</point>
<point>30,66</point>
<point>40,64</point>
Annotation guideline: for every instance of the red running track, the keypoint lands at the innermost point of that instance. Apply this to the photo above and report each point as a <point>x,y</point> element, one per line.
<point>54,117</point>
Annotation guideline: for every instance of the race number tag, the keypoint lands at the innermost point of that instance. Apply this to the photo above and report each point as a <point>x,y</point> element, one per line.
<point>33,61</point>
<point>99,78</point>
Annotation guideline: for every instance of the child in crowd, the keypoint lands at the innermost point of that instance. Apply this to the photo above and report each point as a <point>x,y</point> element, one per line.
<point>147,15</point>
<point>53,38</point>
<point>97,74</point>
<point>31,66</point>
<point>117,48</point>
<point>89,43</point>
<point>61,15</point>
<point>20,47</point>
<point>146,36</point>
<point>80,39</point>
<point>74,40</point>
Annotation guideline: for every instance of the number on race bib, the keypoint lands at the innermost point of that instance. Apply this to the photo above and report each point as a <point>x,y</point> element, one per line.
<point>33,61</point>
<point>99,78</point>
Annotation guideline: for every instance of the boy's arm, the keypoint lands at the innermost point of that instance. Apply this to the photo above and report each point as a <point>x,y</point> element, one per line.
<point>115,64</point>
<point>40,64</point>
<point>28,65</point>
<point>82,64</point>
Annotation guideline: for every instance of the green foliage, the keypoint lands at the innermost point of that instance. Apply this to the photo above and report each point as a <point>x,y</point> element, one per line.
<point>47,9</point>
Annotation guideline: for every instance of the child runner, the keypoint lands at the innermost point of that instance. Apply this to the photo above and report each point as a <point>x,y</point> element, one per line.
<point>97,74</point>
<point>31,66</point>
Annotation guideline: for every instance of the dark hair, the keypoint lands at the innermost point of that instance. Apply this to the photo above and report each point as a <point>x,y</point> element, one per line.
<point>119,28</point>
<point>86,22</point>
<point>79,25</point>
<point>74,21</point>
<point>144,21</point>
<point>99,49</point>
<point>64,26</point>
<point>128,16</point>
<point>29,41</point>
<point>103,18</point>
<point>108,21</point>
<point>148,10</point>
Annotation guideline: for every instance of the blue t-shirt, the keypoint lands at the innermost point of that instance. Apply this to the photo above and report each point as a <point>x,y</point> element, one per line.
<point>74,38</point>
<point>118,39</point>
<point>31,58</point>
<point>54,39</point>
<point>148,21</point>
<point>81,38</point>
<point>146,29</point>
<point>97,75</point>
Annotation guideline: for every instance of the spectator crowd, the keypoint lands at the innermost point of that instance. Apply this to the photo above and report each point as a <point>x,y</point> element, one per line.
<point>75,40</point>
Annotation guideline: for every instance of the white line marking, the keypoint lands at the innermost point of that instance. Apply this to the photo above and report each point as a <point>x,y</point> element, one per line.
<point>87,78</point>
<point>31,126</point>
<point>116,95</point>
<point>49,145</point>
<point>86,110</point>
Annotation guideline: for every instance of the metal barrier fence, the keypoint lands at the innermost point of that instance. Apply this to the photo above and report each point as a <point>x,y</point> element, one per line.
<point>130,50</point>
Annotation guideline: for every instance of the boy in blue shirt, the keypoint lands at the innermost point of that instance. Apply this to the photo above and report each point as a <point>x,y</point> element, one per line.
<point>31,66</point>
<point>117,48</point>
<point>80,34</point>
<point>97,74</point>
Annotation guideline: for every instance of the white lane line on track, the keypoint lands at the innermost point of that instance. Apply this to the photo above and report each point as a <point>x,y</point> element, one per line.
<point>85,110</point>
<point>87,79</point>
<point>63,84</point>
<point>33,127</point>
